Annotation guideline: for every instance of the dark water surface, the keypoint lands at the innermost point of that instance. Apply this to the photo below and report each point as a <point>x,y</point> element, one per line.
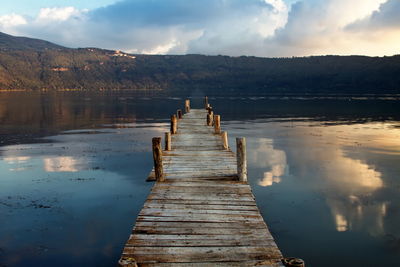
<point>325,172</point>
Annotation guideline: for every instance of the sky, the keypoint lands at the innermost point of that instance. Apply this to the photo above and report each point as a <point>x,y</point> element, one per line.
<point>266,28</point>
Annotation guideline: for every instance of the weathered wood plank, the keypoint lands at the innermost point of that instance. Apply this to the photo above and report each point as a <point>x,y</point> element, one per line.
<point>184,210</point>
<point>198,242</point>
<point>200,254</point>
<point>256,227</point>
<point>259,263</point>
<point>197,237</point>
<point>200,231</point>
<point>203,202</point>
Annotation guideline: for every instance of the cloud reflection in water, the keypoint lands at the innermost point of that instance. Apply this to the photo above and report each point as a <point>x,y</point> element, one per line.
<point>266,156</point>
<point>61,164</point>
<point>331,161</point>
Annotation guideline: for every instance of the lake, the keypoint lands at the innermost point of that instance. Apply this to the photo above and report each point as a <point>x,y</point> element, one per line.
<point>324,170</point>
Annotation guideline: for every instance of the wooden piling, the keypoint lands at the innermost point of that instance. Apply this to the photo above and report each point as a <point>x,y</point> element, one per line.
<point>293,262</point>
<point>241,159</point>
<point>209,119</point>
<point>179,114</point>
<point>210,110</point>
<point>187,105</point>
<point>157,157</point>
<point>168,141</point>
<point>217,124</point>
<point>225,140</point>
<point>174,124</point>
<point>206,102</point>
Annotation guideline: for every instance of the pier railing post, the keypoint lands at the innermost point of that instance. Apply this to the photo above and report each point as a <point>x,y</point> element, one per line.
<point>157,157</point>
<point>225,140</point>
<point>210,119</point>
<point>174,124</point>
<point>187,105</point>
<point>217,124</point>
<point>241,159</point>
<point>168,141</point>
<point>179,114</point>
<point>206,102</point>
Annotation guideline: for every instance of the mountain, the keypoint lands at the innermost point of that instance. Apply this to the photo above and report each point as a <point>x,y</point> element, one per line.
<point>31,64</point>
<point>9,42</point>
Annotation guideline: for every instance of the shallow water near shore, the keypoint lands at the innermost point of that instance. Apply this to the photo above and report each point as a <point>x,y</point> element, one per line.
<point>325,173</point>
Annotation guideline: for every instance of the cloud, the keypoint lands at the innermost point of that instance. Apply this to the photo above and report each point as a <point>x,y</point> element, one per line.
<point>8,22</point>
<point>230,27</point>
<point>159,26</point>
<point>58,14</point>
<point>387,17</point>
<point>319,27</point>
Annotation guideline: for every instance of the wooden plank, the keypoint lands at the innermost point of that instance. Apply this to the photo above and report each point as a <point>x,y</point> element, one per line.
<point>197,237</point>
<point>200,189</point>
<point>207,209</point>
<point>200,254</point>
<point>200,231</point>
<point>259,263</point>
<point>202,202</point>
<point>200,218</point>
<point>185,210</point>
<point>194,225</point>
<point>198,242</point>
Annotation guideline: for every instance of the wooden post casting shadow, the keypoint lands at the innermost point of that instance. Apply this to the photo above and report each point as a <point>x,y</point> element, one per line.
<point>174,124</point>
<point>225,140</point>
<point>179,114</point>
<point>217,124</point>
<point>168,141</point>
<point>157,157</point>
<point>187,105</point>
<point>241,159</point>
<point>206,102</point>
<point>209,120</point>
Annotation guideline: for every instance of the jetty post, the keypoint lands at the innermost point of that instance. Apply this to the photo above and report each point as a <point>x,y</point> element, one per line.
<point>157,157</point>
<point>241,159</point>
<point>210,119</point>
<point>225,140</point>
<point>179,114</point>
<point>174,124</point>
<point>217,124</point>
<point>187,105</point>
<point>168,141</point>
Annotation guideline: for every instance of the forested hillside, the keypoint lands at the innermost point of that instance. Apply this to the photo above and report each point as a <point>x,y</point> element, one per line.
<point>33,64</point>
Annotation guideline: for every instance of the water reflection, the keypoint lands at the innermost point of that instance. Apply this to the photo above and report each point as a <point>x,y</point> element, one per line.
<point>320,157</point>
<point>264,155</point>
<point>343,174</point>
<point>16,160</point>
<point>60,164</point>
<point>324,172</point>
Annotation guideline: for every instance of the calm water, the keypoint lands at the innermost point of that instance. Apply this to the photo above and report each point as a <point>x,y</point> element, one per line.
<point>325,173</point>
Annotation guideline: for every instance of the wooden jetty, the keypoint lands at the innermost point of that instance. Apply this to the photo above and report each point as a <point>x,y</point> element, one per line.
<point>201,210</point>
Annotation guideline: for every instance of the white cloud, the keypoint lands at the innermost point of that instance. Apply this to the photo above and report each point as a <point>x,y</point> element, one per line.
<point>384,19</point>
<point>319,27</point>
<point>231,27</point>
<point>8,22</point>
<point>58,14</point>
